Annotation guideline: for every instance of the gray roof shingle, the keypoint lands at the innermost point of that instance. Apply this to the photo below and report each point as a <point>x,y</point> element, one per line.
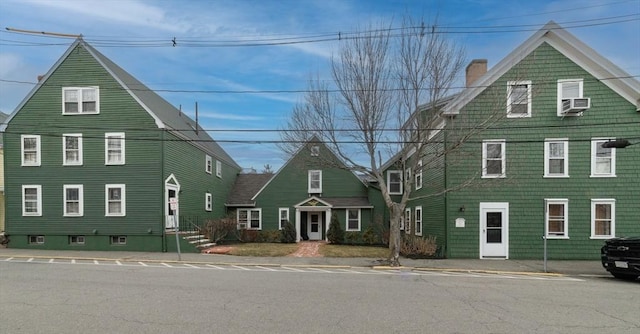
<point>246,186</point>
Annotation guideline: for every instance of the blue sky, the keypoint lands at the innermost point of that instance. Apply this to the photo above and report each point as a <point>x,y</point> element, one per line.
<point>213,64</point>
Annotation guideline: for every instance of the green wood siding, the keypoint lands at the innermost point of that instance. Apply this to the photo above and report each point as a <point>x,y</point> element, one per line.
<point>524,186</point>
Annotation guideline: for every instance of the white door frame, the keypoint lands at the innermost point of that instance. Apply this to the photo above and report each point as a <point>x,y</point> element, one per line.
<point>500,250</point>
<point>171,183</point>
<point>317,235</point>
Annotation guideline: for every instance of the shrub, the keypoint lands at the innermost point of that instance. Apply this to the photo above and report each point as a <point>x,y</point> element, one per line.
<point>248,235</point>
<point>267,236</point>
<point>218,229</point>
<point>352,237</point>
<point>370,237</point>
<point>335,234</point>
<point>288,233</point>
<point>416,246</point>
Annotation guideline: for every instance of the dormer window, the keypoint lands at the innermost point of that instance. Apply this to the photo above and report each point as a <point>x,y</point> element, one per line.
<point>80,100</point>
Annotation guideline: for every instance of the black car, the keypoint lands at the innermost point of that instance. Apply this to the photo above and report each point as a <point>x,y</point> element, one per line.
<point>621,257</point>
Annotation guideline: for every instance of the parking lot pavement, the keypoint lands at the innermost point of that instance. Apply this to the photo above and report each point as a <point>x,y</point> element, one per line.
<point>574,268</point>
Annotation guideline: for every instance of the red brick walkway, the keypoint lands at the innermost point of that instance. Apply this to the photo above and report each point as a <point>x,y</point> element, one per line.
<point>308,249</point>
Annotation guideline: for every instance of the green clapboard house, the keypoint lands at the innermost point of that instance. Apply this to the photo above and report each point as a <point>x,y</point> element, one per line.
<point>533,170</point>
<point>95,160</point>
<point>311,188</point>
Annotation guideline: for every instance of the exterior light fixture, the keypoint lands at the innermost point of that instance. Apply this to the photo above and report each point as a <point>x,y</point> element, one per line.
<point>618,143</point>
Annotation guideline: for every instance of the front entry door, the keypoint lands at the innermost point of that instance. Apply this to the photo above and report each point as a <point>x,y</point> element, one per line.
<point>313,227</point>
<point>171,214</point>
<point>494,230</point>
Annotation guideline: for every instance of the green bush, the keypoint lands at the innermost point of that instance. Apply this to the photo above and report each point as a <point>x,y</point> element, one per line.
<point>268,236</point>
<point>370,236</point>
<point>352,237</point>
<point>335,234</point>
<point>288,233</point>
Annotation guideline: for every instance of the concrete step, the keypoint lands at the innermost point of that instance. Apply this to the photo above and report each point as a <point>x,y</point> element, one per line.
<point>207,245</point>
<point>194,236</point>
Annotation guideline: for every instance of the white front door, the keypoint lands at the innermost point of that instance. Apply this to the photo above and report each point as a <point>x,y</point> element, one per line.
<point>171,194</point>
<point>494,230</point>
<point>314,226</point>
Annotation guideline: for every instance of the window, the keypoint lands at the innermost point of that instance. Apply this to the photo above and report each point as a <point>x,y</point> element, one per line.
<point>603,218</point>
<point>115,200</point>
<point>556,158</point>
<point>218,168</point>
<point>208,164</point>
<point>83,100</point>
<point>208,202</point>
<point>250,219</point>
<point>419,175</point>
<point>603,160</point>
<point>569,88</point>
<point>76,240</point>
<point>394,182</point>
<point>32,200</point>
<point>315,150</point>
<point>114,148</point>
<point>353,219</point>
<point>407,220</point>
<point>493,159</point>
<point>72,149</point>
<point>36,239</point>
<point>418,219</point>
<point>519,99</point>
<point>315,181</point>
<point>118,239</point>
<point>556,219</point>
<point>407,176</point>
<point>30,145</point>
<point>73,200</point>
<point>283,213</point>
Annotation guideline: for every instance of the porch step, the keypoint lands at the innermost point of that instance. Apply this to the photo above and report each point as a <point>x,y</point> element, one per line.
<point>194,236</point>
<point>207,245</point>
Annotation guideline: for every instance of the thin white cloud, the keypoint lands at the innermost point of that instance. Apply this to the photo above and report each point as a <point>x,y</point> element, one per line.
<point>229,117</point>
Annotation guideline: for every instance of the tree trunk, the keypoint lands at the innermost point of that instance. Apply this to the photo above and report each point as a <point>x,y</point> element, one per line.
<point>394,236</point>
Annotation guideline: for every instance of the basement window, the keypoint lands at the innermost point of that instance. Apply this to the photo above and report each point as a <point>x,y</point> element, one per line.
<point>76,240</point>
<point>118,239</point>
<point>36,239</point>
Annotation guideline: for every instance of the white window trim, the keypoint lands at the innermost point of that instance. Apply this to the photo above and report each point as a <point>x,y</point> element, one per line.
<point>79,92</point>
<point>389,172</point>
<point>64,149</point>
<point>314,190</point>
<point>280,211</point>
<point>611,202</point>
<point>38,213</point>
<point>315,150</point>
<point>503,148</point>
<point>248,227</point>
<point>407,218</point>
<point>208,164</point>
<point>208,202</point>
<point>123,200</point>
<point>510,85</point>
<point>559,92</point>
<point>418,219</point>
<point>107,136</point>
<point>347,220</point>
<point>218,168</point>
<point>79,239</point>
<point>38,149</point>
<point>565,202</point>
<point>595,142</point>
<point>547,142</point>
<point>418,175</point>
<point>80,200</point>
<point>118,240</point>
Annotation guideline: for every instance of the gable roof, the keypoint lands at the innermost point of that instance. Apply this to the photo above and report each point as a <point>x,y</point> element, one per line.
<point>166,116</point>
<point>571,47</point>
<point>245,187</point>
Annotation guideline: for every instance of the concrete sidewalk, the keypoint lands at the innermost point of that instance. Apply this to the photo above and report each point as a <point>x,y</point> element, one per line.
<point>572,268</point>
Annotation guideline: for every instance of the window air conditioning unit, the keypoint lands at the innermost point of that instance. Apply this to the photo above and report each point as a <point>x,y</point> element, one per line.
<point>575,105</point>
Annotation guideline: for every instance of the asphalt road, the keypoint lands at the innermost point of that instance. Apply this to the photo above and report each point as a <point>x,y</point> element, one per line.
<point>142,298</point>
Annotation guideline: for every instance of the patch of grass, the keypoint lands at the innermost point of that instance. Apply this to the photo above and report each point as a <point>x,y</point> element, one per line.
<point>262,249</point>
<point>330,250</point>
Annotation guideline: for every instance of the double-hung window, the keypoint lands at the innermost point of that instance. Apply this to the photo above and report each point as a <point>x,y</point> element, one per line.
<point>283,213</point>
<point>394,182</point>
<point>250,219</point>
<point>353,219</point>
<point>603,218</point>
<point>493,159</point>
<point>73,200</point>
<point>72,149</point>
<point>80,100</point>
<point>115,200</point>
<point>208,202</point>
<point>519,99</point>
<point>407,220</point>
<point>30,147</point>
<point>556,218</point>
<point>208,164</point>
<point>114,148</point>
<point>419,175</point>
<point>556,158</point>
<point>315,181</point>
<point>568,89</point>
<point>603,160</point>
<point>32,200</point>
<point>218,168</point>
<point>418,219</point>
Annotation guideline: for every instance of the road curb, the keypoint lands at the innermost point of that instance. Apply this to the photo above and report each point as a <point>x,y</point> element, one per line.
<point>458,270</point>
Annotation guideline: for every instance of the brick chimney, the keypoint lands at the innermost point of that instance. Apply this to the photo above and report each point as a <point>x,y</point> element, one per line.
<point>475,70</point>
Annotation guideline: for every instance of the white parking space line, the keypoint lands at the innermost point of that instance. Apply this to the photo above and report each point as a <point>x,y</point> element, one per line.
<point>216,267</point>
<point>293,269</point>
<point>95,262</point>
<point>266,268</point>
<point>30,259</point>
<point>322,270</point>
<point>9,259</point>
<point>143,264</point>
<point>243,268</point>
<point>73,261</point>
<point>118,263</point>
<point>192,266</point>
<point>166,264</point>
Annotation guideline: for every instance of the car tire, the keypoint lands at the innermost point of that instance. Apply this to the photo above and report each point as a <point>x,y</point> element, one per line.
<point>629,277</point>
